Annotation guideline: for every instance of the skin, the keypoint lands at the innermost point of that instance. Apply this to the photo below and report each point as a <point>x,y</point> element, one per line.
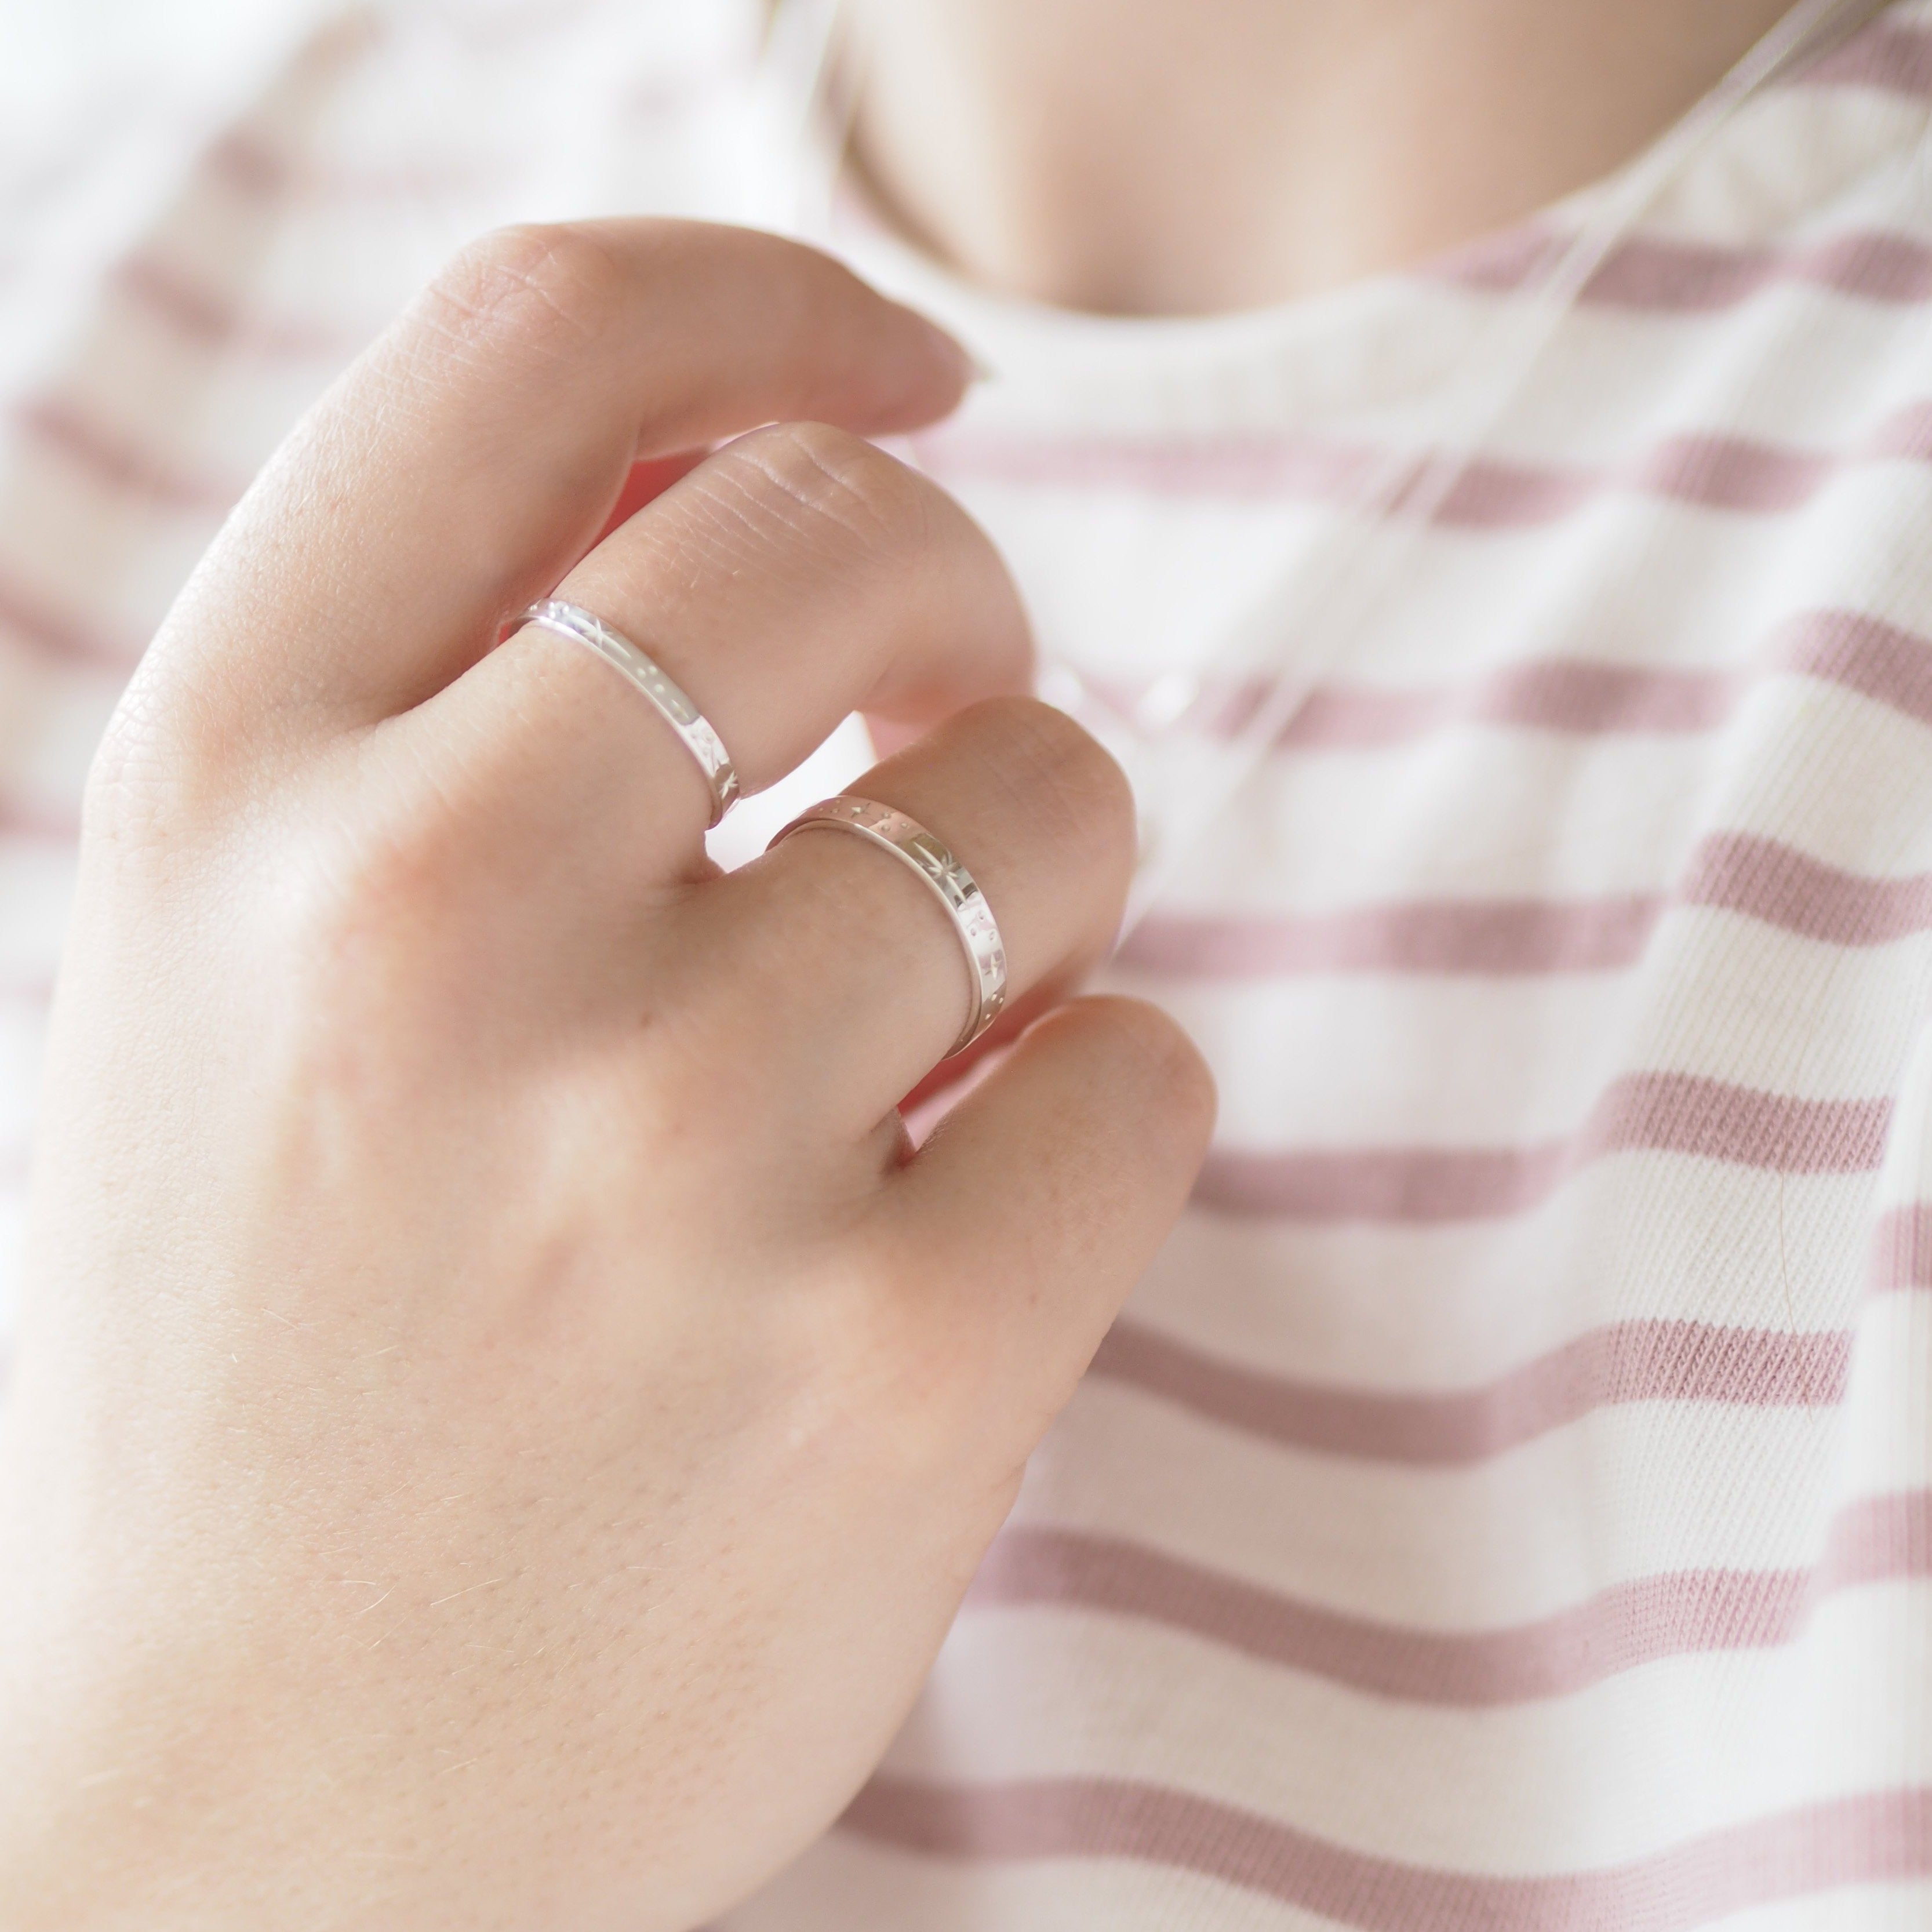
<point>1140,158</point>
<point>504,1417</point>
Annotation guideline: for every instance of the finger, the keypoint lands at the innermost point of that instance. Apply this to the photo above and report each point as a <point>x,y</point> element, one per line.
<point>650,477</point>
<point>471,457</point>
<point>797,575</point>
<point>830,976</point>
<point>1043,1196</point>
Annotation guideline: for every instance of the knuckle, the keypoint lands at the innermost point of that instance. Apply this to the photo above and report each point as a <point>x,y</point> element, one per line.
<point>549,288</point>
<point>883,1345</point>
<point>826,485</point>
<point>374,908</point>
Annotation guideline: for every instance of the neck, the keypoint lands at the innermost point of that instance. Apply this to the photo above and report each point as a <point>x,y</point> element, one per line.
<point>1148,157</point>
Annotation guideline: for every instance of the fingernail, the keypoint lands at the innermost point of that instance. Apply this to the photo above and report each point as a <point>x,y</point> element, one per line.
<point>952,350</point>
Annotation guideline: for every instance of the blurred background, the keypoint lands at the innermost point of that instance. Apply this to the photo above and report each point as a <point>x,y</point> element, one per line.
<point>172,296</point>
<point>101,103</point>
<point>58,55</point>
<point>54,51</point>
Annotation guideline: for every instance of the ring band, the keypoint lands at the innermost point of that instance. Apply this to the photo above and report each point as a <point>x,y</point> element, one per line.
<point>692,727</point>
<point>954,887</point>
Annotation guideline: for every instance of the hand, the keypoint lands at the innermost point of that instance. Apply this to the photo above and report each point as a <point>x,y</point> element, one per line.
<point>504,1417</point>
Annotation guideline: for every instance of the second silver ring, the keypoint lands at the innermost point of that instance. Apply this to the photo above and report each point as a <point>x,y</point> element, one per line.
<point>668,696</point>
<point>954,887</point>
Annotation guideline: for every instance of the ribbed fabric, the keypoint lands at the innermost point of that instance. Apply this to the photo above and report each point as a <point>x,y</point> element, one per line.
<point>1508,1502</point>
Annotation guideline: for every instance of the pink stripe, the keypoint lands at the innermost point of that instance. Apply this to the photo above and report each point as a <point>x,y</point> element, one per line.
<point>1873,1837</point>
<point>1758,877</point>
<point>1383,1184</point>
<point>1491,495</point>
<point>1664,1112</point>
<point>39,824</point>
<point>249,162</point>
<point>1624,1362</point>
<point>23,615</point>
<point>1891,666</point>
<point>117,462</point>
<point>1567,694</point>
<point>1864,654</point>
<point>1901,1255</point>
<point>1346,716</point>
<point>1659,275</point>
<point>1769,881</point>
<point>1678,1614</point>
<point>1882,1539</point>
<point>1905,436</point>
<point>1714,472</point>
<point>1651,275</point>
<point>216,323</point>
<point>1724,472</point>
<point>1895,59</point>
<point>1423,936</point>
<point>1619,1630</point>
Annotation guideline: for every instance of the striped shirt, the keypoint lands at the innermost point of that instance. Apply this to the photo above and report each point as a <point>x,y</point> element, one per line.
<point>1508,1502</point>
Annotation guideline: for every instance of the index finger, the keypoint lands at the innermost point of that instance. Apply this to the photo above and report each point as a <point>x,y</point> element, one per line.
<point>461,467</point>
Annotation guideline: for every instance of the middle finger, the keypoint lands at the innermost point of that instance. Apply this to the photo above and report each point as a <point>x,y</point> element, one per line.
<point>795,576</point>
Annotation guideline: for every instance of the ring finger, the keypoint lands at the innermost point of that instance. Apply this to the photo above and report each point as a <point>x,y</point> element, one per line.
<point>826,976</point>
<point>795,576</point>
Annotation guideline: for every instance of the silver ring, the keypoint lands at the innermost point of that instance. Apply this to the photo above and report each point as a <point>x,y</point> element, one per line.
<point>910,843</point>
<point>700,739</point>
